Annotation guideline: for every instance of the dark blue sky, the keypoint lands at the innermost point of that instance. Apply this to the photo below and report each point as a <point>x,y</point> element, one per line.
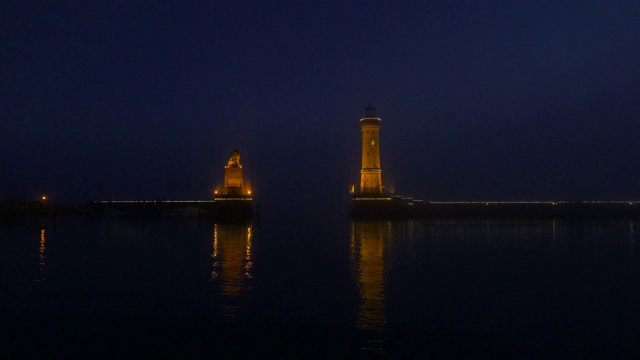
<point>478,100</point>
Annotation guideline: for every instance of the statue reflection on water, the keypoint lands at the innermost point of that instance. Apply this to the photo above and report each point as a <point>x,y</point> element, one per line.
<point>232,264</point>
<point>367,254</point>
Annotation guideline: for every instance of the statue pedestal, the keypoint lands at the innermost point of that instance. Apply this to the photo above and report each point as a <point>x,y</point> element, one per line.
<point>233,177</point>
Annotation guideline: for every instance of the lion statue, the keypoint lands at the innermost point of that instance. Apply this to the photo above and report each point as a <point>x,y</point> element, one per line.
<point>234,160</point>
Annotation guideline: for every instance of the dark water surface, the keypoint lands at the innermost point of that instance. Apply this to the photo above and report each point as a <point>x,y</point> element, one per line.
<point>298,286</point>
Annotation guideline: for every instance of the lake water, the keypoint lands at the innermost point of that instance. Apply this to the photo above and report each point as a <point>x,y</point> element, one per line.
<point>298,286</point>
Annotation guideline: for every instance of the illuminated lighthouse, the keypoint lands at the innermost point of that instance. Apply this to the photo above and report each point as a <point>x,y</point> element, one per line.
<point>371,202</point>
<point>371,174</point>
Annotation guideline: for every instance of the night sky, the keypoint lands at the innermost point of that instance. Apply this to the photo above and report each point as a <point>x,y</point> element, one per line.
<point>495,100</point>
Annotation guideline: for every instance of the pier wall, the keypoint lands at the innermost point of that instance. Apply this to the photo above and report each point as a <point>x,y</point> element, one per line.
<point>409,208</point>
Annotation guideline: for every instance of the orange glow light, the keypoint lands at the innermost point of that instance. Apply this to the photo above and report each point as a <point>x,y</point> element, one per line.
<point>249,192</point>
<point>44,198</point>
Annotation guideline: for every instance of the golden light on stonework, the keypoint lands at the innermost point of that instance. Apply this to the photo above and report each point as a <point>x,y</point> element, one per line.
<point>235,185</point>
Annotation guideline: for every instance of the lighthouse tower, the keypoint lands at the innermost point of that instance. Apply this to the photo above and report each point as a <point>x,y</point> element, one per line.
<point>370,175</point>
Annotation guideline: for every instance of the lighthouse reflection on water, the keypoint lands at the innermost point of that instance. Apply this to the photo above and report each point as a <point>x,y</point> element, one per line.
<point>367,257</point>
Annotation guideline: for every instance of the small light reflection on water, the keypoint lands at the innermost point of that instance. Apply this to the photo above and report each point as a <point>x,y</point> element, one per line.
<point>632,241</point>
<point>41,249</point>
<point>555,240</point>
<point>249,263</point>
